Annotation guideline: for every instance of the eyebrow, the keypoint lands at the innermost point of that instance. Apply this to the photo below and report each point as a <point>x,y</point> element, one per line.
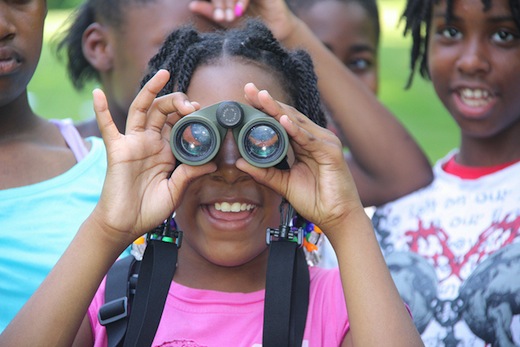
<point>362,48</point>
<point>500,19</point>
<point>495,19</point>
<point>356,48</point>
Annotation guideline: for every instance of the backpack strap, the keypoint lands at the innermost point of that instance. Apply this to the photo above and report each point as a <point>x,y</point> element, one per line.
<point>147,296</point>
<point>155,277</point>
<point>114,313</point>
<point>286,295</point>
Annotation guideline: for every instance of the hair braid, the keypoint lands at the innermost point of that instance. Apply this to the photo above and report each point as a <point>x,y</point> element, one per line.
<point>415,14</point>
<point>185,50</point>
<point>263,39</point>
<point>303,80</point>
<point>302,68</point>
<point>192,59</point>
<point>272,51</point>
<point>172,51</point>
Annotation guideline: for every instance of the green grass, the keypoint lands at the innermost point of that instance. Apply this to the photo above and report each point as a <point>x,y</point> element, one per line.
<point>420,111</point>
<point>51,93</point>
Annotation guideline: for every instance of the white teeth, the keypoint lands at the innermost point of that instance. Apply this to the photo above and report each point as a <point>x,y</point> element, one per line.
<point>233,207</point>
<point>474,93</point>
<point>474,97</point>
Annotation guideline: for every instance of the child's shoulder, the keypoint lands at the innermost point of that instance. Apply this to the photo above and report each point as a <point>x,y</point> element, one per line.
<point>327,304</point>
<point>324,278</point>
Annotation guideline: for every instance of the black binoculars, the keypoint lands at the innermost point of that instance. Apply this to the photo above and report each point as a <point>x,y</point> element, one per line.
<point>262,141</point>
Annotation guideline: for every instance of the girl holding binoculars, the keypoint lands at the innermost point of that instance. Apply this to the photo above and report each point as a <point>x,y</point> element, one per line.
<point>216,297</point>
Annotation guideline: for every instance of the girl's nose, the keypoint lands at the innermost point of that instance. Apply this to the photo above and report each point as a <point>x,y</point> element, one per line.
<point>226,159</point>
<point>7,28</point>
<point>473,59</point>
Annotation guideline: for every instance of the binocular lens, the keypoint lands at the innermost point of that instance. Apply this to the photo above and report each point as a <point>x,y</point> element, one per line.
<point>262,142</point>
<point>196,140</point>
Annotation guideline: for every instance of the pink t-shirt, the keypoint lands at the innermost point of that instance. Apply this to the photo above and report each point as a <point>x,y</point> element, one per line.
<point>195,318</point>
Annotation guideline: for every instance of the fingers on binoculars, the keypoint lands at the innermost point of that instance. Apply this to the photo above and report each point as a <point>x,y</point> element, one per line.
<point>138,113</point>
<point>262,100</point>
<point>307,134</point>
<point>168,109</point>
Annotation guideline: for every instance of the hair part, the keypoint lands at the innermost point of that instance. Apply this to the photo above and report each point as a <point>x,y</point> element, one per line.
<point>417,17</point>
<point>186,49</point>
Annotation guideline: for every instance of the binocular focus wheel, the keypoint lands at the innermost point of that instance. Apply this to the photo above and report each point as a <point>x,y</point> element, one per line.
<point>261,140</point>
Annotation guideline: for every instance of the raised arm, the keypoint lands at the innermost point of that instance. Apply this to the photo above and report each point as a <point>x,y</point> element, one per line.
<point>137,196</point>
<point>321,189</point>
<point>384,159</point>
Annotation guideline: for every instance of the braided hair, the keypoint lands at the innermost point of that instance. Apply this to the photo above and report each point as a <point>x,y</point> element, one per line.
<point>109,11</point>
<point>185,49</point>
<point>370,7</point>
<point>417,16</point>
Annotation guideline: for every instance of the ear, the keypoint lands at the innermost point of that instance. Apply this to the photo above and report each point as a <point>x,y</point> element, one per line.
<point>97,47</point>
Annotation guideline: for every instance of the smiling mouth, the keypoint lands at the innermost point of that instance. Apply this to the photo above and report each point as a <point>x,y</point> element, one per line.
<point>233,207</point>
<point>475,97</point>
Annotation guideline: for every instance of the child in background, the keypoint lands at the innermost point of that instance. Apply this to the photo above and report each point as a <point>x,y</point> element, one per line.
<point>453,247</point>
<point>382,153</point>
<point>350,29</point>
<point>223,257</point>
<point>50,177</point>
<point>105,42</point>
<point>108,51</point>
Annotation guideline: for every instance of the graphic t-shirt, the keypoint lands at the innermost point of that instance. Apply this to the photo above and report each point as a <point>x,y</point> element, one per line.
<point>453,250</point>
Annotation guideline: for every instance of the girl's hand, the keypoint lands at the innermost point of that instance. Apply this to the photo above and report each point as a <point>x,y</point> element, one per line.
<point>275,13</point>
<point>318,185</point>
<point>220,11</point>
<point>139,193</point>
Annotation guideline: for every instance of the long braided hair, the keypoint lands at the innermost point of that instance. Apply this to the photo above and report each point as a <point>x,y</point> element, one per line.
<point>417,16</point>
<point>185,49</point>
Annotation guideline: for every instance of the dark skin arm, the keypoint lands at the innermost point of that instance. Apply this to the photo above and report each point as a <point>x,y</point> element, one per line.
<point>139,193</point>
<point>385,161</point>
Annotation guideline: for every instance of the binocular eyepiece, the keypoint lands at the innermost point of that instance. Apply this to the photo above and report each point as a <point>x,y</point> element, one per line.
<point>196,138</point>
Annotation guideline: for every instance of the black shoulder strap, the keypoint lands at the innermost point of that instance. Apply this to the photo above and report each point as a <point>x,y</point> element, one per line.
<point>114,313</point>
<point>137,326</point>
<point>155,277</point>
<point>286,295</point>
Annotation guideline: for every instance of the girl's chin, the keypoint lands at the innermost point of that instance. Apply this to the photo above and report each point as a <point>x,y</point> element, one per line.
<point>234,258</point>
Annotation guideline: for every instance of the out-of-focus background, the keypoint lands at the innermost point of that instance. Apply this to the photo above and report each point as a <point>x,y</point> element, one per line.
<point>53,96</point>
